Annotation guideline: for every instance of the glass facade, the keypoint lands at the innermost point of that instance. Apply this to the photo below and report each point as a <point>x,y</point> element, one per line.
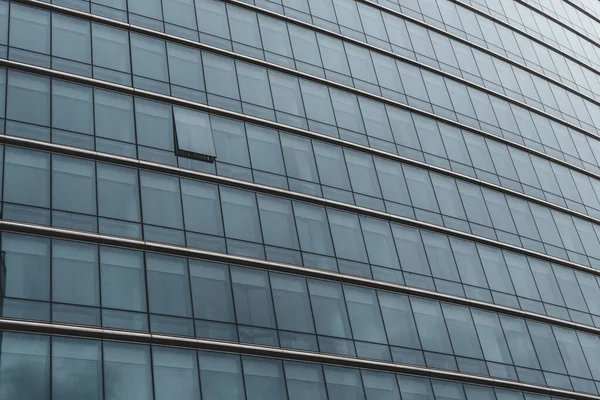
<point>297,199</point>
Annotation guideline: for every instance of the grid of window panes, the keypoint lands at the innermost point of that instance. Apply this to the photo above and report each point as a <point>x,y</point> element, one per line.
<point>113,371</point>
<point>451,90</point>
<point>85,284</point>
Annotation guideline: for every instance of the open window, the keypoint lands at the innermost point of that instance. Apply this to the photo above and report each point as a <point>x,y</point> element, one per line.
<point>193,135</point>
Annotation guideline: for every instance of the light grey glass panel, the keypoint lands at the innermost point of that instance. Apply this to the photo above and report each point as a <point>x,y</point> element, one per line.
<point>72,107</point>
<point>201,207</point>
<point>161,200</point>
<point>264,379</point>
<point>398,318</point>
<point>71,38</point>
<point>365,317</point>
<point>175,374</point>
<point>519,342</point>
<point>27,177</point>
<point>75,274</point>
<point>546,347</point>
<point>462,331</point>
<point>212,18</point>
<point>76,369</point>
<point>277,222</point>
<point>392,182</point>
<point>343,383</point>
<point>185,66</point>
<point>73,185</point>
<point>254,84</point>
<point>265,150</point>
<point>299,157</point>
<point>431,325</point>
<point>122,279</point>
<point>362,173</point>
<point>304,380</point>
<point>127,371</point>
<point>113,114</point>
<point>491,337</point>
<point>28,98</point>
<point>252,295</point>
<point>313,229</point>
<point>410,249</point>
<point>118,192</point>
<point>154,124</point>
<point>211,291</point>
<point>347,238</point>
<point>29,28</point>
<point>221,376</point>
<point>193,131</point>
<point>380,386</point>
<point>168,285</point>
<point>329,309</point>
<point>25,367</point>
<point>27,261</point>
<point>149,57</point>
<point>220,75</point>
<point>110,48</point>
<point>379,242</point>
<point>332,166</point>
<point>495,269</point>
<point>240,214</point>
<point>292,305</point>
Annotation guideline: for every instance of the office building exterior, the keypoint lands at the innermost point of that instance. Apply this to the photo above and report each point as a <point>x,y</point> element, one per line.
<point>300,199</point>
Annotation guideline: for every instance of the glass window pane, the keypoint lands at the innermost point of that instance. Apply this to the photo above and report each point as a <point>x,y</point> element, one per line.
<point>431,326</point>
<point>29,29</point>
<point>220,75</point>
<point>114,116</point>
<point>292,305</point>
<point>27,262</point>
<point>240,215</point>
<point>410,249</point>
<point>201,207</point>
<point>127,371</point>
<point>73,185</point>
<point>304,381</point>
<point>399,322</point>
<point>254,84</point>
<point>343,383</point>
<point>264,379</point>
<point>168,285</point>
<point>123,279</point>
<point>185,65</point>
<point>362,173</point>
<point>110,48</point>
<point>149,57</point>
<point>277,222</point>
<point>175,374</point>
<point>379,241</point>
<point>211,291</point>
<point>546,347</point>
<point>329,309</point>
<point>161,200</point>
<point>212,18</point>
<point>332,166</point>
<point>313,229</point>
<point>154,124</point>
<point>462,331</point>
<point>519,342</point>
<point>347,237</point>
<point>76,369</point>
<point>491,337</point>
<point>439,253</point>
<point>265,150</point>
<point>221,376</point>
<point>194,135</point>
<point>72,107</point>
<point>380,386</point>
<point>118,193</point>
<point>75,275</point>
<point>25,366</point>
<point>365,317</point>
<point>299,157</point>
<point>252,294</point>
<point>28,98</point>
<point>27,177</point>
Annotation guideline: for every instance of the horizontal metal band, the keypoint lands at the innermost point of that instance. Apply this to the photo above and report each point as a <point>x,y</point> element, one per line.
<point>298,131</point>
<point>76,331</point>
<point>164,36</point>
<point>181,251</point>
